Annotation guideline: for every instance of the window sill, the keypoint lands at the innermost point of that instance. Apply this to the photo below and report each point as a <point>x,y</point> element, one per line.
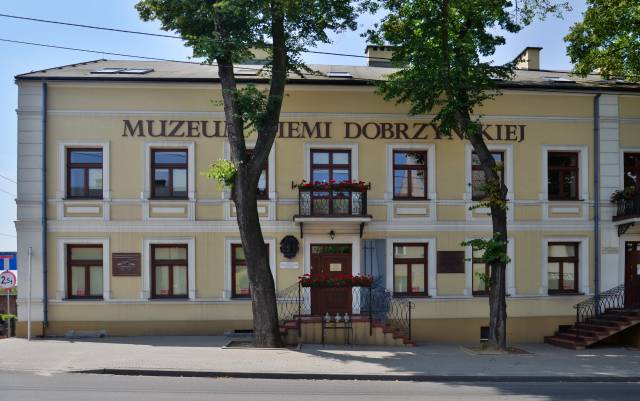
<point>162,299</point>
<point>565,200</point>
<point>83,199</point>
<point>403,295</point>
<point>168,199</point>
<point>75,299</point>
<point>411,199</point>
<point>565,294</point>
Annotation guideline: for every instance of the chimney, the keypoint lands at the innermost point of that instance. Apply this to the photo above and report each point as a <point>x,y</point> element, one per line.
<point>379,56</point>
<point>528,59</point>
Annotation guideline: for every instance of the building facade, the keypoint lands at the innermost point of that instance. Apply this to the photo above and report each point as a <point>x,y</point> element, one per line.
<point>130,237</point>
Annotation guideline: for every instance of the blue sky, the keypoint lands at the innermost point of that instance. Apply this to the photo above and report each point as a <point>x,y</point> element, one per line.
<point>18,59</point>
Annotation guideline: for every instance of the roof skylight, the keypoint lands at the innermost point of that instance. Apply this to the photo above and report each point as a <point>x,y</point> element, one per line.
<point>245,71</point>
<point>121,70</point>
<point>136,71</point>
<point>558,79</point>
<point>339,74</point>
<point>107,70</point>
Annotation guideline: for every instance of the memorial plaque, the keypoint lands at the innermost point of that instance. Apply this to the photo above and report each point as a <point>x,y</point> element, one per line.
<point>125,264</point>
<point>451,262</point>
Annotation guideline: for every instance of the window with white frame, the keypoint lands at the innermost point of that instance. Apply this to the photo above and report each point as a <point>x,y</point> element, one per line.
<point>169,170</point>
<point>83,170</point>
<point>478,272</point>
<point>481,273</point>
<point>169,264</point>
<point>84,173</point>
<point>409,175</point>
<point>267,180</point>
<point>410,270</point>
<point>478,179</point>
<point>565,173</point>
<point>237,285</point>
<point>169,268</point>
<point>565,266</point>
<point>410,267</point>
<point>84,271</point>
<point>474,174</point>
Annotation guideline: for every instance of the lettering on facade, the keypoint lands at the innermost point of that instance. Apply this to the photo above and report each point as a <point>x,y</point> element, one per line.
<point>371,130</point>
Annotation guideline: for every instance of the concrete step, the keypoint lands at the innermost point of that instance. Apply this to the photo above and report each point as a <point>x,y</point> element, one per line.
<point>618,318</point>
<point>624,312</point>
<point>565,343</point>
<point>595,327</point>
<point>585,333</point>
<point>605,323</point>
<point>579,338</point>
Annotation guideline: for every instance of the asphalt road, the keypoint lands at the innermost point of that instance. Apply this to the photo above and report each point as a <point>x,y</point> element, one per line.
<point>83,387</point>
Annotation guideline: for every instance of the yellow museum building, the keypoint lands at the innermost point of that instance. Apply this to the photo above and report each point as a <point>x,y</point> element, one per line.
<point>128,236</point>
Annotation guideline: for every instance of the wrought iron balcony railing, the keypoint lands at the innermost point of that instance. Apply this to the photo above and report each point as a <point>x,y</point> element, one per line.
<point>628,208</point>
<point>333,200</point>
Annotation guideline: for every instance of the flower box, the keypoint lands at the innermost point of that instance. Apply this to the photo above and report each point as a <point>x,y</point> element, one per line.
<point>335,281</point>
<point>348,185</point>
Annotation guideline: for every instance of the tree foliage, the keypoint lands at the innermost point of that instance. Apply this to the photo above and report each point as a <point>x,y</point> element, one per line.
<point>443,50</point>
<point>607,40</point>
<point>225,32</point>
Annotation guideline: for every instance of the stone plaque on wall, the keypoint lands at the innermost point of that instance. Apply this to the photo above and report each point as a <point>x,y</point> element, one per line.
<point>450,261</point>
<point>125,264</point>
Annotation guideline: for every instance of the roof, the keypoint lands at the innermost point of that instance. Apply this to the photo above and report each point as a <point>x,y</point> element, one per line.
<point>169,71</point>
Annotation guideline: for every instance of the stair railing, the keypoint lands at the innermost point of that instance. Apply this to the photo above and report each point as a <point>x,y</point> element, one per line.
<point>376,303</point>
<point>613,298</point>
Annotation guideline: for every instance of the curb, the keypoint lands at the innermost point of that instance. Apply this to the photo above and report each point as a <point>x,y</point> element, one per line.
<point>362,377</point>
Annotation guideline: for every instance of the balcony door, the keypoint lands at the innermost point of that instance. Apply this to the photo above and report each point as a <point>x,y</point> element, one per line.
<point>632,275</point>
<point>330,260</point>
<point>330,165</point>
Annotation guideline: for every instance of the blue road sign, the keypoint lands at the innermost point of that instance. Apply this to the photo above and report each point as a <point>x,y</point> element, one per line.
<point>9,259</point>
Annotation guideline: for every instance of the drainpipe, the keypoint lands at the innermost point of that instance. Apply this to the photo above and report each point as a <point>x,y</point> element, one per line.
<point>45,298</point>
<point>596,188</point>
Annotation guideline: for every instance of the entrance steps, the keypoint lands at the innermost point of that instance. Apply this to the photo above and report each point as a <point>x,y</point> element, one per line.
<point>583,335</point>
<point>311,333</point>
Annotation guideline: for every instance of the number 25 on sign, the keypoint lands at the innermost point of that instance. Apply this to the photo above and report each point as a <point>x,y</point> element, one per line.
<point>7,280</point>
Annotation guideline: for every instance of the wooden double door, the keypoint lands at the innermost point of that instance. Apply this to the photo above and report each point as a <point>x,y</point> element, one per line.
<point>632,275</point>
<point>330,260</point>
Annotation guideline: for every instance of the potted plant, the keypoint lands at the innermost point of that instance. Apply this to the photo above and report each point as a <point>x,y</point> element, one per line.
<point>625,194</point>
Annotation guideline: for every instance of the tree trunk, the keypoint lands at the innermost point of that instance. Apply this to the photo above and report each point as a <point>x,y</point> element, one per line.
<point>266,331</point>
<point>244,193</point>
<point>497,291</point>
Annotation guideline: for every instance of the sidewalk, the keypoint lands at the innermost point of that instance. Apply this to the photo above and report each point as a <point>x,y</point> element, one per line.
<point>204,356</point>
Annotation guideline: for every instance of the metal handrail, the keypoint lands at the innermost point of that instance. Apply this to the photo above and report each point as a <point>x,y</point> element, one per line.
<point>376,302</point>
<point>611,299</point>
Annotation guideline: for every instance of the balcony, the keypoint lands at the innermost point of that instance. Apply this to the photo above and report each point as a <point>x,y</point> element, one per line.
<point>332,202</point>
<point>627,209</point>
